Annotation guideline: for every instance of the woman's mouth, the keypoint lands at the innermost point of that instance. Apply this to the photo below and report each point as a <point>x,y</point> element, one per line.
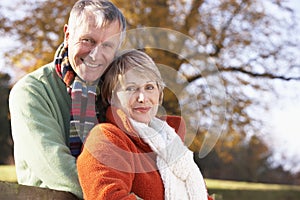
<point>142,109</point>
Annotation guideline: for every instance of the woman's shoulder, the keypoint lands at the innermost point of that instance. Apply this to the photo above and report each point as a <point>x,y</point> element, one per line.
<point>106,134</point>
<point>176,122</point>
<point>107,130</point>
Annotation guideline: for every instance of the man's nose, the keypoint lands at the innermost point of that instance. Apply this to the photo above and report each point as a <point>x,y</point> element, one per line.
<point>94,53</point>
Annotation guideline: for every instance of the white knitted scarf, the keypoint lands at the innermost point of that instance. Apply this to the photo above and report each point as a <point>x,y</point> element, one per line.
<point>181,177</point>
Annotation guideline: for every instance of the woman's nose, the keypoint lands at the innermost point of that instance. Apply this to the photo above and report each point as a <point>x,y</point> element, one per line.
<point>141,97</point>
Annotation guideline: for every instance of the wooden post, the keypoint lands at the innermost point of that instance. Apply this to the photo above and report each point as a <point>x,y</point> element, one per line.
<point>14,191</point>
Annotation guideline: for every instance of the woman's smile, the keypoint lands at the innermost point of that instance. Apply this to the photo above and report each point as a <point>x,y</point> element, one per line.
<point>142,109</point>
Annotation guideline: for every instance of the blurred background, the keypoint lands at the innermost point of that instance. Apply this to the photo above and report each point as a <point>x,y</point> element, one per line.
<point>255,45</point>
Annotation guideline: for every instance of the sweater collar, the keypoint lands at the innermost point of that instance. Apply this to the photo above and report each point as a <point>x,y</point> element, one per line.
<point>118,117</point>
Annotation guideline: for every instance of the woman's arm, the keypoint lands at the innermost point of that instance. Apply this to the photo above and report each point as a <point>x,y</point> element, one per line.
<point>105,170</point>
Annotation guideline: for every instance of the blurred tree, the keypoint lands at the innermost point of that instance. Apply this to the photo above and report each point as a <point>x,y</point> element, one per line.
<point>249,45</point>
<point>247,161</point>
<point>5,136</point>
<point>37,30</point>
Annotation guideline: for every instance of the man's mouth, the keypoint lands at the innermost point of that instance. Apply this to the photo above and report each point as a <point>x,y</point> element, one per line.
<point>90,65</point>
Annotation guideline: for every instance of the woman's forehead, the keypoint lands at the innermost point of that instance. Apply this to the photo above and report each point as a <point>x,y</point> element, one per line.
<point>137,77</point>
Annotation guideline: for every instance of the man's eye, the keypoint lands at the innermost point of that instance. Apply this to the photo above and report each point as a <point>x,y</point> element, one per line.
<point>87,41</point>
<point>107,45</point>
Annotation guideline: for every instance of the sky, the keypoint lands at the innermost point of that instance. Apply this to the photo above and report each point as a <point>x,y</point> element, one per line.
<point>282,121</point>
<point>282,126</point>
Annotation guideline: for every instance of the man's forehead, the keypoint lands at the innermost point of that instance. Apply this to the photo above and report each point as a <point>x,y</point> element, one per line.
<point>93,18</point>
<point>111,31</point>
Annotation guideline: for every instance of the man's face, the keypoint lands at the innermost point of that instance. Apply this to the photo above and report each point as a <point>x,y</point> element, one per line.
<point>91,49</point>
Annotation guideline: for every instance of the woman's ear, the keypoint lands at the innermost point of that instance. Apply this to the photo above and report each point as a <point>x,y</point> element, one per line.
<point>109,100</point>
<point>161,98</point>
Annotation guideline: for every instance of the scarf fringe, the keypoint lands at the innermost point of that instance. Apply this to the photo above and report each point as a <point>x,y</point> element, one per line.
<point>182,178</point>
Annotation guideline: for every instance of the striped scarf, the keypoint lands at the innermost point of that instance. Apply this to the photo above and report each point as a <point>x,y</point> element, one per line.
<point>83,114</point>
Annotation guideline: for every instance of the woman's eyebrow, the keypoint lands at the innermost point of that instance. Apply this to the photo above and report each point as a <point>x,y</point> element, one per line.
<point>139,84</point>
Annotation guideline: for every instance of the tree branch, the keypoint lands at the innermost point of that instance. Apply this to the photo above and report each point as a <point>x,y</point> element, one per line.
<point>249,73</point>
<point>260,75</point>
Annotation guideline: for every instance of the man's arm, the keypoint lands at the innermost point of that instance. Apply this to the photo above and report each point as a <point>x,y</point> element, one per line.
<point>40,140</point>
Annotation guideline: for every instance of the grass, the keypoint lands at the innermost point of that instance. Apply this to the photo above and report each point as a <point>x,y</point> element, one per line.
<point>236,185</point>
<point>8,173</point>
<point>231,190</point>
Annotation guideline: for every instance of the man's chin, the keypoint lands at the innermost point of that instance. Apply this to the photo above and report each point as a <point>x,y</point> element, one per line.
<point>91,78</point>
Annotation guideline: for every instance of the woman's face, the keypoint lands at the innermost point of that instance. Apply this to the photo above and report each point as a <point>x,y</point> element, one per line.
<point>137,95</point>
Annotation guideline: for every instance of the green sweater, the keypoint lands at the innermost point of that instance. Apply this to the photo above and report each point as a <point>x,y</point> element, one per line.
<point>40,117</point>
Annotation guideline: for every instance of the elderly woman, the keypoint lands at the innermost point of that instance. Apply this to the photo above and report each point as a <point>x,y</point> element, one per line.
<point>137,155</point>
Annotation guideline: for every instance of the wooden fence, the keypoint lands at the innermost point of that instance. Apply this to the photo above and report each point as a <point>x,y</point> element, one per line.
<point>14,191</point>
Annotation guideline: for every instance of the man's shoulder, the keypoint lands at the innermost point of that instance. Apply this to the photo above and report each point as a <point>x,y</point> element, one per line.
<point>36,77</point>
<point>36,82</point>
<point>40,73</point>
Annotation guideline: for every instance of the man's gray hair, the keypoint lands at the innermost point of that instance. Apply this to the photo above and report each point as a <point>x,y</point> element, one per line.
<point>103,12</point>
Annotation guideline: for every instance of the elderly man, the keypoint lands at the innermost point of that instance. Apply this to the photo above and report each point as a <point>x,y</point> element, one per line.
<point>52,109</point>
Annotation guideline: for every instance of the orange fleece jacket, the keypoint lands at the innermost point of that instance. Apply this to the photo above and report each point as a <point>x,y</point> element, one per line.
<point>116,164</point>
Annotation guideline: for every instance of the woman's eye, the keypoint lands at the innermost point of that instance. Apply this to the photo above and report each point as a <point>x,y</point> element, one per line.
<point>149,87</point>
<point>131,89</point>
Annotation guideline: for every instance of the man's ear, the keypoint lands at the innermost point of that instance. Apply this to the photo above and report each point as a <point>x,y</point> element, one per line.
<point>66,36</point>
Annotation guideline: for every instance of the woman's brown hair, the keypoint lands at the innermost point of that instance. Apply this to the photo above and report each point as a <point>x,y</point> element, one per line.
<point>126,60</point>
